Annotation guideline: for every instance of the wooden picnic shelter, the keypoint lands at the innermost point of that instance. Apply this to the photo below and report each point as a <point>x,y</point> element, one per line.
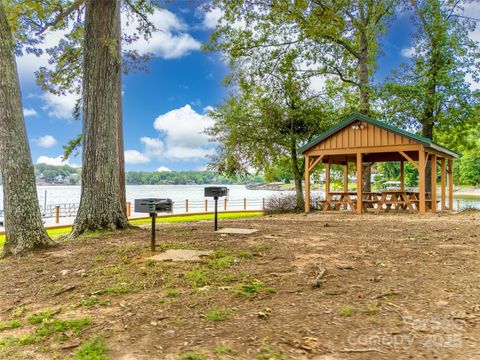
<point>364,141</point>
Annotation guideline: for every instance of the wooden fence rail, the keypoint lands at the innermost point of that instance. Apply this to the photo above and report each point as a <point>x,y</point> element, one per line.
<point>58,211</point>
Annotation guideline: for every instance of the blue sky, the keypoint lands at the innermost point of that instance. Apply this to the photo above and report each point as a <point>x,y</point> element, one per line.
<point>165,108</point>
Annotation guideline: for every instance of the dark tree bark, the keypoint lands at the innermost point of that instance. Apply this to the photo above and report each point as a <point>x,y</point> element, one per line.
<point>297,176</point>
<point>23,222</point>
<point>101,205</point>
<point>121,153</point>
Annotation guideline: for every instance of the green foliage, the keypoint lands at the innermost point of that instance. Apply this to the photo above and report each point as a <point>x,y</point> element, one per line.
<point>430,93</point>
<point>93,349</point>
<point>346,311</point>
<point>7,325</point>
<point>57,174</point>
<point>250,288</point>
<point>218,314</point>
<point>185,178</point>
<point>40,317</point>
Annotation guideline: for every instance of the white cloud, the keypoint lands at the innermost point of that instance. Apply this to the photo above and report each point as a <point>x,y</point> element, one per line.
<point>135,157</point>
<point>408,52</point>
<point>59,106</point>
<point>153,147</point>
<point>184,133</point>
<point>212,18</point>
<point>57,161</point>
<point>170,41</point>
<point>208,108</point>
<point>163,169</point>
<point>29,112</point>
<point>46,141</point>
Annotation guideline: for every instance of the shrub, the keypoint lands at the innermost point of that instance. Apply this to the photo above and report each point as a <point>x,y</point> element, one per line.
<point>287,203</point>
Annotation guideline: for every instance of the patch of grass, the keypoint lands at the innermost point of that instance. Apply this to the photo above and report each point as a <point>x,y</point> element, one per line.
<point>19,311</point>
<point>267,352</point>
<point>172,292</point>
<point>51,326</point>
<point>262,248</point>
<point>372,308</point>
<point>7,325</point>
<point>40,317</point>
<point>250,288</point>
<point>222,349</point>
<point>346,311</point>
<point>192,355</point>
<point>271,290</point>
<point>218,314</point>
<point>91,301</point>
<point>190,218</point>
<point>221,263</point>
<point>198,277</point>
<point>245,255</point>
<point>93,349</point>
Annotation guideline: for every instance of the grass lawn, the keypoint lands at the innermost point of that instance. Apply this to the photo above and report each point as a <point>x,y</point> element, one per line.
<point>56,233</point>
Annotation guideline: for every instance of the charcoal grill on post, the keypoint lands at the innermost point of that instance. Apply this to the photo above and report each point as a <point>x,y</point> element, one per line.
<point>216,192</point>
<point>153,206</point>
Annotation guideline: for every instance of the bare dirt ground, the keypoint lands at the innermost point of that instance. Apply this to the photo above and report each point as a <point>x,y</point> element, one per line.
<point>396,286</point>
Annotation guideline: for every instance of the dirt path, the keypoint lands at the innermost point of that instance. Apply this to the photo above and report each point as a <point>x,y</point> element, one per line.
<point>396,286</point>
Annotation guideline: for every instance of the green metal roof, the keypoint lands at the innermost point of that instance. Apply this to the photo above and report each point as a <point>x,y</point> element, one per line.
<point>357,116</point>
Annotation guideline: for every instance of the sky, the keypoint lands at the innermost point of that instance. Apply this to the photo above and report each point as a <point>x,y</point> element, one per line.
<point>166,108</point>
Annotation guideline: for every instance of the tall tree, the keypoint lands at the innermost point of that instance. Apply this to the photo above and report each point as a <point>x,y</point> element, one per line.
<point>68,58</point>
<point>272,111</point>
<point>23,222</point>
<point>337,37</point>
<point>430,92</point>
<point>101,202</point>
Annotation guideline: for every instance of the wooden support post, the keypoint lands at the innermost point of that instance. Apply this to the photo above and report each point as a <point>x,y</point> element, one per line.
<point>307,184</point>
<point>186,205</point>
<point>327,177</point>
<point>402,175</point>
<point>225,204</point>
<point>345,177</point>
<point>458,205</point>
<point>444,184</point>
<point>57,214</point>
<point>244,203</point>
<point>263,203</point>
<point>129,209</point>
<point>359,183</point>
<point>433,165</point>
<point>421,180</point>
<point>206,205</point>
<point>450,184</point>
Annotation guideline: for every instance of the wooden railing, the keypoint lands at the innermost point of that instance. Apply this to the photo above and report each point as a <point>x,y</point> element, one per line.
<point>58,211</point>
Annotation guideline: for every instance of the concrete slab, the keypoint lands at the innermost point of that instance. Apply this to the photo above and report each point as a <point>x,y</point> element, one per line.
<point>237,231</point>
<point>181,255</point>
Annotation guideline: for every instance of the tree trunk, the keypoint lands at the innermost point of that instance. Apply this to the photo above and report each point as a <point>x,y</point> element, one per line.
<point>101,200</point>
<point>364,98</point>
<point>297,175</point>
<point>23,222</point>
<point>121,153</point>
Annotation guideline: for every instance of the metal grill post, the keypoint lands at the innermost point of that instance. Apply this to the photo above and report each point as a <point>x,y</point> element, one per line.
<point>152,245</point>
<point>216,212</point>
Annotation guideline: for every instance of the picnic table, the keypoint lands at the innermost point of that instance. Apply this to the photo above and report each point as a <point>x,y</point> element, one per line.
<point>400,200</point>
<point>339,199</point>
